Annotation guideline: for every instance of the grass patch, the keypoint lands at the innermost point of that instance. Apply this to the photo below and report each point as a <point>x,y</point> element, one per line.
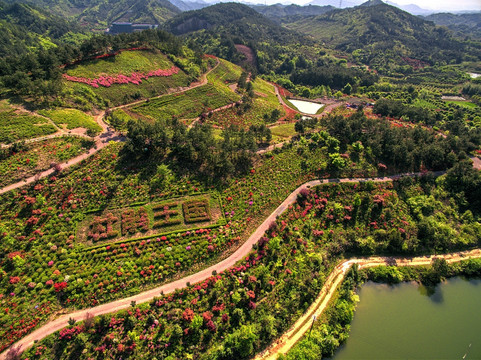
<point>15,125</point>
<point>466,104</point>
<point>72,119</point>
<point>264,103</point>
<point>284,130</point>
<point>424,104</point>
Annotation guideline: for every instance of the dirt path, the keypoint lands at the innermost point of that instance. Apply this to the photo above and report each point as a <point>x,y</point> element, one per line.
<point>146,296</point>
<point>297,331</point>
<point>476,162</point>
<point>203,81</point>
<point>101,140</point>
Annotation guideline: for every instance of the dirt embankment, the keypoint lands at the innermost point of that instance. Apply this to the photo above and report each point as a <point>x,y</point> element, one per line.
<point>248,53</point>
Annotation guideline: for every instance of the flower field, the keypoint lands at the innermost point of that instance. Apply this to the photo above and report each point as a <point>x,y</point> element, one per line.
<point>40,223</point>
<point>134,78</point>
<point>124,63</point>
<point>151,219</point>
<point>124,78</point>
<point>35,157</point>
<point>127,252</point>
<point>240,311</point>
<point>72,119</point>
<point>16,125</point>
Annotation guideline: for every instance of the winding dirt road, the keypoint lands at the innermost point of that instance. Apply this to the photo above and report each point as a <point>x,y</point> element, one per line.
<point>146,296</point>
<point>101,141</point>
<point>301,326</point>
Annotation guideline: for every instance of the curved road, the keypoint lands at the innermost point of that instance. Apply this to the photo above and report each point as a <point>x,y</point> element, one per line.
<point>303,324</point>
<point>146,296</point>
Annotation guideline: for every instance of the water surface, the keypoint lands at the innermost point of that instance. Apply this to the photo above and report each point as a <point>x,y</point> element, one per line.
<point>408,321</point>
<point>306,107</point>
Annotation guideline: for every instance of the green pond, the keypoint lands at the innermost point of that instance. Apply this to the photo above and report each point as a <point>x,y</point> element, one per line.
<point>408,321</point>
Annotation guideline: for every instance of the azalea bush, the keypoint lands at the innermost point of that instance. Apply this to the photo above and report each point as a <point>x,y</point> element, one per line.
<point>24,160</point>
<point>134,78</point>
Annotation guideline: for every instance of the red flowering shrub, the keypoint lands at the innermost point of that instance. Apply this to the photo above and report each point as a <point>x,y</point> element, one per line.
<point>188,315</point>
<point>60,286</point>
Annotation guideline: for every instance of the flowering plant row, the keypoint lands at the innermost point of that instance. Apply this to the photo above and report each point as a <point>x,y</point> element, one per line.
<point>134,78</point>
<point>196,210</point>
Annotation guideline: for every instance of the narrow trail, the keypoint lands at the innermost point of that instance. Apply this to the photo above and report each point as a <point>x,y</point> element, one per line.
<point>303,324</point>
<point>101,141</point>
<point>223,265</point>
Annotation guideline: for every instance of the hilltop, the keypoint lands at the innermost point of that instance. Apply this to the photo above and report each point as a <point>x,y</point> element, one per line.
<point>279,12</point>
<point>218,28</point>
<point>99,14</point>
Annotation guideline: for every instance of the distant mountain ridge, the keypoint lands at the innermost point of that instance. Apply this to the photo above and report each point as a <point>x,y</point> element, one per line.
<point>461,24</point>
<point>277,12</point>
<point>377,33</point>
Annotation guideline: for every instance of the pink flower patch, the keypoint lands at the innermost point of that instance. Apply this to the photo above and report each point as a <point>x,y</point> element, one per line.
<point>135,78</point>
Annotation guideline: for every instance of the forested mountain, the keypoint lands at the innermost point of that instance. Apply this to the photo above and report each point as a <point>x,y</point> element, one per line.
<point>278,12</point>
<point>137,11</point>
<point>24,27</point>
<point>218,28</point>
<point>101,13</point>
<point>235,18</point>
<point>461,24</point>
<point>380,34</point>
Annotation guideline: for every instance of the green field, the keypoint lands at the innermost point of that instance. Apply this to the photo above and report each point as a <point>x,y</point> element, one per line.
<point>72,119</point>
<point>284,130</point>
<point>264,102</point>
<point>466,104</point>
<point>187,105</point>
<point>125,63</point>
<point>16,126</point>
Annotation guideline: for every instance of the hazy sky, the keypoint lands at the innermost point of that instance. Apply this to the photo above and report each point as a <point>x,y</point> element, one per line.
<point>438,5</point>
<point>458,5</point>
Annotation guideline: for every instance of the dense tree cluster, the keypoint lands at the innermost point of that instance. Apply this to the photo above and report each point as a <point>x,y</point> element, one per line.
<point>195,150</point>
<point>396,108</point>
<point>333,75</point>
<point>402,149</point>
